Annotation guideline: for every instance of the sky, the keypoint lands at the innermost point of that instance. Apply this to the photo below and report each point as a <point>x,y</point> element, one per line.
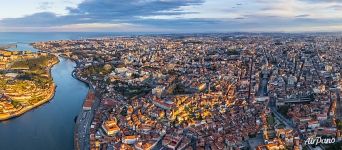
<point>170,16</point>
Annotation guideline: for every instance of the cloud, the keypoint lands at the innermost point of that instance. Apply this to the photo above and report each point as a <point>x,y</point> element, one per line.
<point>121,9</point>
<point>337,7</point>
<point>45,6</point>
<point>43,19</point>
<point>184,16</point>
<point>102,11</point>
<point>303,16</point>
<point>322,1</point>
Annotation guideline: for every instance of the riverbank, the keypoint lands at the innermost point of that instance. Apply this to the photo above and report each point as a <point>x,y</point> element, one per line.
<point>51,125</point>
<point>83,120</point>
<point>85,117</point>
<point>80,120</point>
<point>79,137</point>
<point>28,108</point>
<point>25,109</point>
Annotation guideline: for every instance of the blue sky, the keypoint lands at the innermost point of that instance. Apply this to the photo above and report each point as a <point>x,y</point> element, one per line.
<point>171,15</point>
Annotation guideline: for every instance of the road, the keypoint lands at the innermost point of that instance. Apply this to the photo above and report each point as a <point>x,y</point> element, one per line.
<point>83,123</point>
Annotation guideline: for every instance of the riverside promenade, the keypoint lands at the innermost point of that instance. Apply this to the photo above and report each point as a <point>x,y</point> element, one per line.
<point>85,117</point>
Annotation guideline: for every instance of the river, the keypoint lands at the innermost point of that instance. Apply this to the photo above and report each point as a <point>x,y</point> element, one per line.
<point>50,126</point>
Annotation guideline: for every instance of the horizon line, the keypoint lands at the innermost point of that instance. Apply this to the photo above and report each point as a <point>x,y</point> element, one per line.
<point>209,32</point>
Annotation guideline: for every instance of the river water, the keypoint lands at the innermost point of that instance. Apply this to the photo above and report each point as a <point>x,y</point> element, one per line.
<point>50,126</point>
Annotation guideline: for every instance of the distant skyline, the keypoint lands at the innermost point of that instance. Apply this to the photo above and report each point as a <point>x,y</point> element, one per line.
<point>171,16</point>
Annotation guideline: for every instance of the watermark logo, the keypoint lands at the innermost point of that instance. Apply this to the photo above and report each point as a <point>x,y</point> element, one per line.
<point>319,140</point>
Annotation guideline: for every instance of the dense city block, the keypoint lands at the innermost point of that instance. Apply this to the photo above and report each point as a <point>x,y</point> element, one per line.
<point>207,91</point>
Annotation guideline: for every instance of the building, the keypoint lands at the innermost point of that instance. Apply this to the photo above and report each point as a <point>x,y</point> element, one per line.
<point>110,127</point>
<point>131,139</point>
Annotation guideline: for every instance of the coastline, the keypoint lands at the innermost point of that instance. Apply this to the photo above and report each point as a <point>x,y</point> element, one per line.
<point>31,107</point>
